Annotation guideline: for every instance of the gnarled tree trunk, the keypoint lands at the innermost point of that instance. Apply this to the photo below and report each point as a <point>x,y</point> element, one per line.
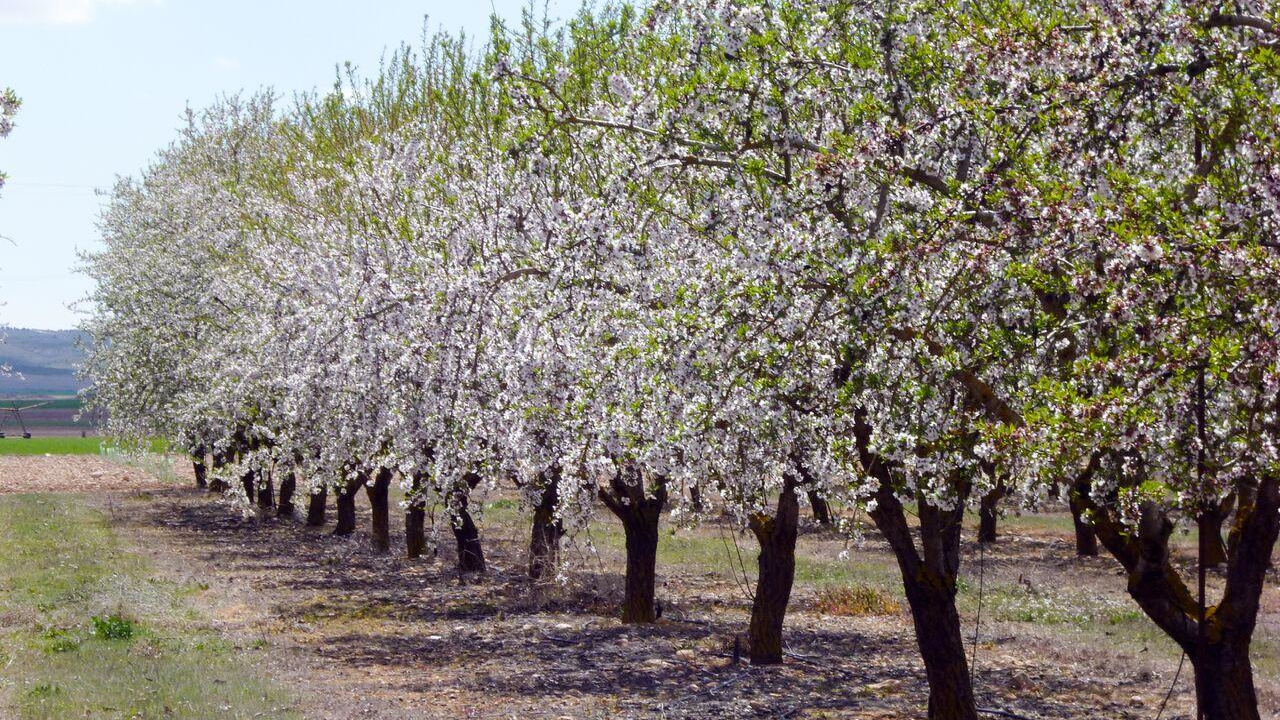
<point>381,527</point>
<point>1219,650</point>
<point>639,512</point>
<point>544,539</point>
<point>316,506</point>
<point>465,533</point>
<point>777,563</point>
<point>929,575</point>
<point>346,524</point>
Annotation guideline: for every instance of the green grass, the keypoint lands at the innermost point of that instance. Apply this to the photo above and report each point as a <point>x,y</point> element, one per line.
<point>50,446</point>
<point>88,630</point>
<point>61,446</point>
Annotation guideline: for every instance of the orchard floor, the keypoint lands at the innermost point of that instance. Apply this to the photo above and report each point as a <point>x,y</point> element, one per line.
<point>353,634</point>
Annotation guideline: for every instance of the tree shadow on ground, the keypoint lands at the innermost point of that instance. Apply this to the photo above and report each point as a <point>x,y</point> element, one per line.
<point>424,630</point>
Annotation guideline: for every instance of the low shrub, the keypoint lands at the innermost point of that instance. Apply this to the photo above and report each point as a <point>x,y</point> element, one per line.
<point>855,601</point>
<point>112,627</point>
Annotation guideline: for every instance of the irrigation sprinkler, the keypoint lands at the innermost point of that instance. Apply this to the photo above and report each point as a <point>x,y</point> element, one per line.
<point>16,413</point>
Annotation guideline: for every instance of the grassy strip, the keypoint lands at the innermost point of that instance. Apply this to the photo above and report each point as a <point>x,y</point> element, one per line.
<point>50,446</point>
<point>70,445</point>
<point>86,630</point>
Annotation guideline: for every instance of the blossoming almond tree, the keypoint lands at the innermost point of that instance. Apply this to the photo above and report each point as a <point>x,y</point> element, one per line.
<point>833,243</point>
<point>1165,274</point>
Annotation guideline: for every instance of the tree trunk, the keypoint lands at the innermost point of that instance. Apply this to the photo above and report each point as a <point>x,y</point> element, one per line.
<point>415,520</point>
<point>544,540</point>
<point>937,626</point>
<point>1224,681</point>
<point>266,493</point>
<point>987,516</point>
<point>929,575</point>
<point>465,533</point>
<point>316,506</point>
<point>1086,540</point>
<point>288,486</point>
<point>640,512</point>
<point>202,472</point>
<point>1218,648</point>
<point>249,481</point>
<point>218,485</point>
<point>1215,549</point>
<point>347,507</point>
<point>777,561</point>
<point>695,498</point>
<point>821,509</point>
<point>639,603</point>
<point>381,528</point>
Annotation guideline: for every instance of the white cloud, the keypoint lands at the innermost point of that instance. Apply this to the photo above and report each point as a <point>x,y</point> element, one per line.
<point>226,63</point>
<point>58,12</point>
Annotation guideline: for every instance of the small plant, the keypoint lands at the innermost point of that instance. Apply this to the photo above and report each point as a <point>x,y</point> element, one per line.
<point>44,690</point>
<point>112,627</point>
<point>63,644</point>
<point>855,601</point>
<point>60,640</point>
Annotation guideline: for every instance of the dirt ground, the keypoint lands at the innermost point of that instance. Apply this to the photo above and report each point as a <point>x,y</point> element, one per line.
<point>72,473</point>
<point>361,635</point>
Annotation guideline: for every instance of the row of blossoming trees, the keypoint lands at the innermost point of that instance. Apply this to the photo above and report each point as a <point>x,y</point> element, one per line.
<point>731,257</point>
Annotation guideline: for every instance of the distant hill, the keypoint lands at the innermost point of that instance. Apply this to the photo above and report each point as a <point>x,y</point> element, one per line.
<point>45,359</point>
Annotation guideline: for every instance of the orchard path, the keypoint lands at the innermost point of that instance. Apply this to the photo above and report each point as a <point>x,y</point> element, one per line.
<point>358,635</point>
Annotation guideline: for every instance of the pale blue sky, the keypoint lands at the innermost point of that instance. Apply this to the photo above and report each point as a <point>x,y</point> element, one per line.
<point>104,84</point>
